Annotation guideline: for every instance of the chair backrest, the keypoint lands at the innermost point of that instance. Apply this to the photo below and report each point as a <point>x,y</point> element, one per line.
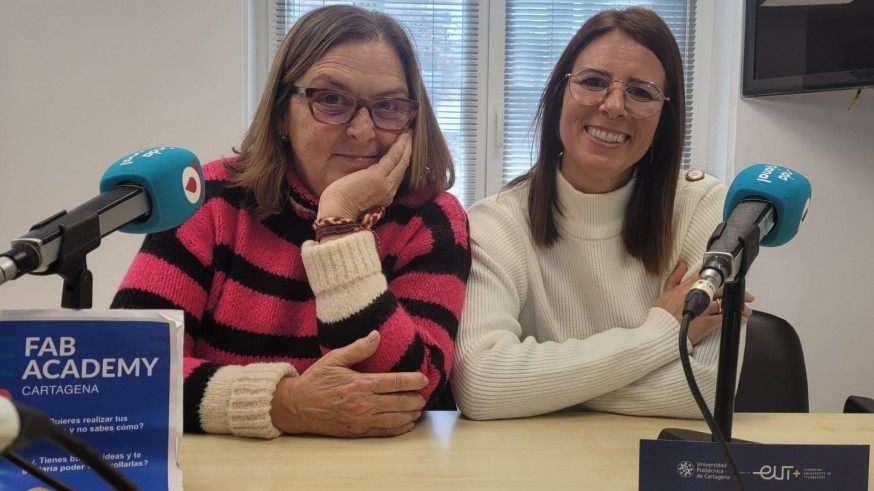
<point>773,377</point>
<point>859,404</point>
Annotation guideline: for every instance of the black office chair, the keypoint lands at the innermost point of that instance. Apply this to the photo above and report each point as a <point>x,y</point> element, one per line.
<point>859,404</point>
<point>773,377</point>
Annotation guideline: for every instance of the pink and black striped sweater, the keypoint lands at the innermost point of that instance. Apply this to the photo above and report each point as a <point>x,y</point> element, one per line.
<point>263,300</point>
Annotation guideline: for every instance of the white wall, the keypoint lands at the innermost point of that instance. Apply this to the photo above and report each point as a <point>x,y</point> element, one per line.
<point>84,83</point>
<point>820,281</point>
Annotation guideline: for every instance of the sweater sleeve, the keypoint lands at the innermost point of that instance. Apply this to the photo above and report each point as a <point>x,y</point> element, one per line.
<point>507,367</point>
<point>414,299</point>
<point>664,391</point>
<point>175,270</point>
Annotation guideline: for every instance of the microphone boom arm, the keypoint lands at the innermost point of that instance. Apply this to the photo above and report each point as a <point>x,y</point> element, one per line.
<point>88,223</point>
<point>59,244</point>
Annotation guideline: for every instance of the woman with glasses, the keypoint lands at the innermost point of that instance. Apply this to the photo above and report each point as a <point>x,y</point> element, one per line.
<point>581,265</point>
<point>323,278</point>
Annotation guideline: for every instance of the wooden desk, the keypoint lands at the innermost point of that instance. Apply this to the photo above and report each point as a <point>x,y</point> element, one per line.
<point>445,451</point>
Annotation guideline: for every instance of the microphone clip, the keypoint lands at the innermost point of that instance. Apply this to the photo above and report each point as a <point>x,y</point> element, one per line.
<point>81,235</point>
<point>735,264</point>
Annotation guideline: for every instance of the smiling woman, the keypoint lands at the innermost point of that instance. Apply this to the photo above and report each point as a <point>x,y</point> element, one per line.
<point>581,264</point>
<point>604,140</point>
<point>327,252</point>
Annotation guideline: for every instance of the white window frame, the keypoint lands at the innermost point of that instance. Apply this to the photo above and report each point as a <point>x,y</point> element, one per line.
<point>712,139</point>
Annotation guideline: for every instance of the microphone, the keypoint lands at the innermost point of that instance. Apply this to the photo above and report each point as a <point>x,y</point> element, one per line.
<point>148,191</point>
<point>765,206</point>
<point>20,425</point>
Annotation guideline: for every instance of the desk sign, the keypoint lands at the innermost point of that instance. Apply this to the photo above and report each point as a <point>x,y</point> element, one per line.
<point>680,465</point>
<point>112,378</point>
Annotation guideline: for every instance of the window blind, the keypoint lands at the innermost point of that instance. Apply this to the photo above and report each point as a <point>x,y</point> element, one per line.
<point>446,34</point>
<point>537,32</point>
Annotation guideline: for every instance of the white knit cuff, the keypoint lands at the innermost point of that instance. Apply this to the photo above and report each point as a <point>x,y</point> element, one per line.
<point>345,275</point>
<point>341,261</point>
<point>238,399</point>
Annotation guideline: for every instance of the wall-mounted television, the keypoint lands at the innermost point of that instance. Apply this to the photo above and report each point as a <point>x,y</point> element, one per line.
<point>793,46</point>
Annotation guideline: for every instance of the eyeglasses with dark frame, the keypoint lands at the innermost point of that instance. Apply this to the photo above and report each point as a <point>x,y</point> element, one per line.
<point>336,107</point>
<point>590,86</point>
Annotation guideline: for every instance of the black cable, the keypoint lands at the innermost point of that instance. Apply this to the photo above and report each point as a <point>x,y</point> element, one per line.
<point>36,424</point>
<point>36,472</point>
<point>702,405</point>
<point>84,453</point>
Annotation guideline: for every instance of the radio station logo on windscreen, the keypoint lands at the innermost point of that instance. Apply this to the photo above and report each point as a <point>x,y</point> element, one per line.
<point>191,183</point>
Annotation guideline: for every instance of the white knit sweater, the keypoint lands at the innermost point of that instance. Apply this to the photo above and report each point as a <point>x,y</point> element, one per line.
<point>545,329</point>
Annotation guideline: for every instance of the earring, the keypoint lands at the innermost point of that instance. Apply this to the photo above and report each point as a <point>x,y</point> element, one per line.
<point>283,137</point>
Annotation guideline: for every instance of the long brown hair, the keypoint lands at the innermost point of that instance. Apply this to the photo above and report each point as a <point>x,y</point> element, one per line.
<point>647,231</point>
<point>262,158</point>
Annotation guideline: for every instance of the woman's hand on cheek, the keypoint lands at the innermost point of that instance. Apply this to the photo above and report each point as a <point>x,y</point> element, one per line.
<point>353,194</point>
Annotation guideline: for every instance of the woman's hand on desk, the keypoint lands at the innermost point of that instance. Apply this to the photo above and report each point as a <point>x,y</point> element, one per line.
<point>332,399</point>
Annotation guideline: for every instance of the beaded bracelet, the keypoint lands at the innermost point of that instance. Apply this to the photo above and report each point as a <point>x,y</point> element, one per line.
<point>339,225</point>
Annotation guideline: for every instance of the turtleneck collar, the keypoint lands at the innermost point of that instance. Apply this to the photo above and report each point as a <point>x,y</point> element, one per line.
<point>304,203</point>
<point>591,216</point>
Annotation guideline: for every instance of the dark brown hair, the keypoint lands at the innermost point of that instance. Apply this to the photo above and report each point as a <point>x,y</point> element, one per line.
<point>262,158</point>
<point>647,231</point>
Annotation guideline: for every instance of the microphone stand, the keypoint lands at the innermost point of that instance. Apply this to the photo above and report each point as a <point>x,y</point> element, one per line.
<point>726,376</point>
<point>729,347</point>
<point>72,235</point>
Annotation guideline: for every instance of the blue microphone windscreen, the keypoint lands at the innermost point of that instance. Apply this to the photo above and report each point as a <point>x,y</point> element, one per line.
<point>787,190</point>
<point>171,177</point>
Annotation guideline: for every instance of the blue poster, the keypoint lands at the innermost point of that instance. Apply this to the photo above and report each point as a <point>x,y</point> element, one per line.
<point>111,378</point>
